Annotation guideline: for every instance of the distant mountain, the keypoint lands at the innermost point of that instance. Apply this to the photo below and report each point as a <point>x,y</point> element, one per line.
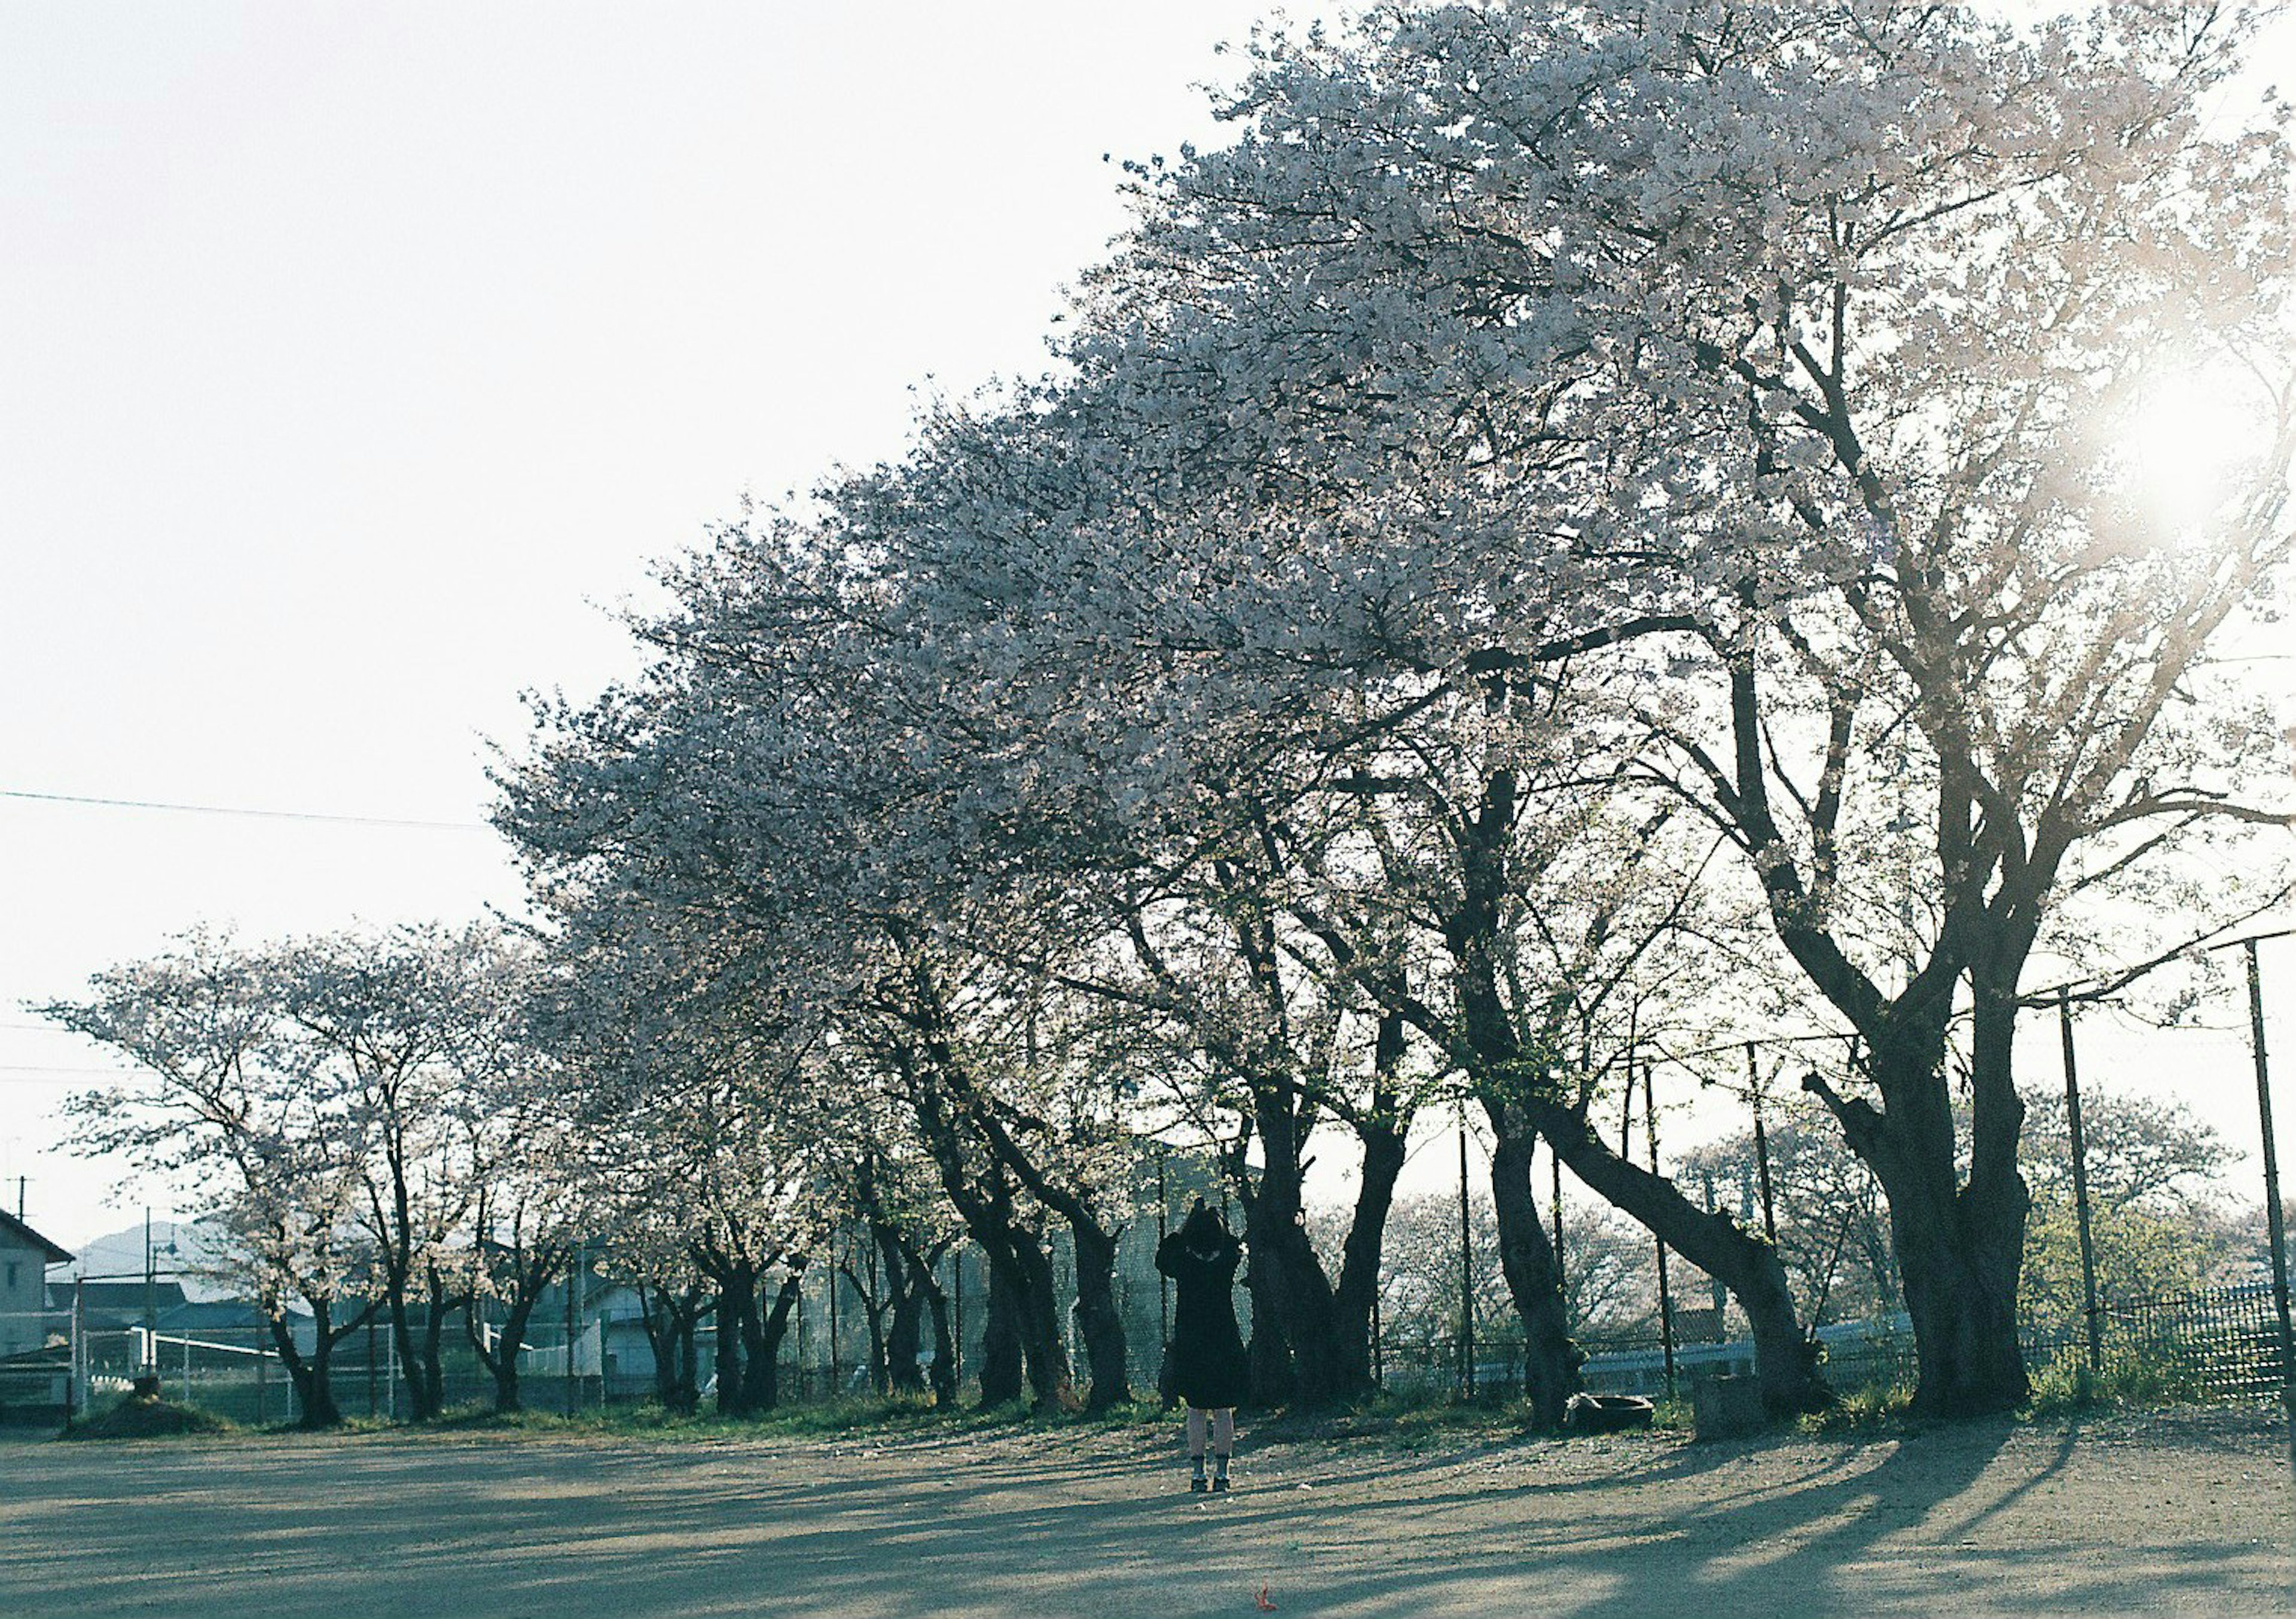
<point>184,1253</point>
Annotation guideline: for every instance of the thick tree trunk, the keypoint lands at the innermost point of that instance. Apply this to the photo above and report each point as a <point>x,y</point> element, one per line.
<point>1001,1376</point>
<point>1311,1341</point>
<point>737,1317</point>
<point>1355,1298</point>
<point>1959,1249</point>
<point>1267,1352</point>
<point>432,1360</point>
<point>1745,1263</point>
<point>501,1360</point>
<point>761,1346</point>
<point>669,1327</point>
<point>1098,1319</point>
<point>1051,1382</point>
<point>1551,1360</point>
<point>943,1376</point>
<point>315,1393</point>
<point>905,1335</point>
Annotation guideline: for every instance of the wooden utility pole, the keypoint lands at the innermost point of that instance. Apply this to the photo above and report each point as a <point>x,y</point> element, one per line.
<point>2275,1222</point>
<point>2090,1313</point>
<point>1665,1294</point>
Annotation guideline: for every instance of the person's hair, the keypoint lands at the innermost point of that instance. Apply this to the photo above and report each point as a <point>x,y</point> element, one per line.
<point>1203,1226</point>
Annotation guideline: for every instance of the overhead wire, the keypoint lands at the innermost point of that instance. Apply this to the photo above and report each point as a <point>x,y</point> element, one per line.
<point>244,812</point>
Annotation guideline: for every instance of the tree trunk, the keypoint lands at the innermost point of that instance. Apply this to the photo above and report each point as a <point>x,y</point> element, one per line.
<point>761,1348</point>
<point>501,1361</point>
<point>943,1376</point>
<point>737,1329</point>
<point>1052,1383</point>
<point>1098,1319</point>
<point>1551,1360</point>
<point>1746,1264</point>
<point>904,1340</point>
<point>315,1393</point>
<point>669,1322</point>
<point>1357,1292</point>
<point>1959,1249</point>
<point>432,1367</point>
<point>1001,1380</point>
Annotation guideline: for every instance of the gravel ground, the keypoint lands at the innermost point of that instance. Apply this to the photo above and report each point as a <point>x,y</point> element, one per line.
<point>2186,1512</point>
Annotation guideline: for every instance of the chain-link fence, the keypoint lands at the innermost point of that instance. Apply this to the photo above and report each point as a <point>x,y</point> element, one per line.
<point>222,1357</point>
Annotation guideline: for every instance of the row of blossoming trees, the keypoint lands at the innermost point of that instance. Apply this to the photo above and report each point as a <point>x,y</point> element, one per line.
<point>1581,525</point>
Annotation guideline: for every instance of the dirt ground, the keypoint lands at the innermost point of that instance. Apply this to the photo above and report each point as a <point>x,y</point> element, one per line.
<point>2186,1513</point>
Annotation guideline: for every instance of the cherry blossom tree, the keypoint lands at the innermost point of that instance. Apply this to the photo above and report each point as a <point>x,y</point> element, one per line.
<point>1712,303</point>
<point>270,1147</point>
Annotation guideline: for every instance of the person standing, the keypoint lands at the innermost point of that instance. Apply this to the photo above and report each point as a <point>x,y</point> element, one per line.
<point>1209,1370</point>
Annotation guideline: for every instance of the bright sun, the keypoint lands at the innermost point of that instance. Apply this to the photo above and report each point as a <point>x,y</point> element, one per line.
<point>2185,445</point>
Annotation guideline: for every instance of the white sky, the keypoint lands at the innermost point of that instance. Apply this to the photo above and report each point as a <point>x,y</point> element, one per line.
<point>357,358</point>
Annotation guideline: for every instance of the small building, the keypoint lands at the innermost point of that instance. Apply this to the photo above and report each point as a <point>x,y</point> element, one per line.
<point>25,1256</point>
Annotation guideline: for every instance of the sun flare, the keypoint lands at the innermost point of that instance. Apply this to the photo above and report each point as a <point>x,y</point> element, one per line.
<point>2185,445</point>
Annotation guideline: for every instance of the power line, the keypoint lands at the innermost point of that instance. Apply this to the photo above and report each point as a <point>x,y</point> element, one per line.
<point>258,814</point>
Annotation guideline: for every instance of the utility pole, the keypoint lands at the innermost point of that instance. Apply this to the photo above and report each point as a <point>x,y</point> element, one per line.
<point>2090,1313</point>
<point>151,1302</point>
<point>1466,1272</point>
<point>1761,1146</point>
<point>1555,1162</point>
<point>1665,1295</point>
<point>567,1391</point>
<point>2275,1222</point>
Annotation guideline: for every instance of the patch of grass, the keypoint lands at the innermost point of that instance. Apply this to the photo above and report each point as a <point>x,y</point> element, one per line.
<point>1876,1408</point>
<point>136,1417</point>
<point>2127,1379</point>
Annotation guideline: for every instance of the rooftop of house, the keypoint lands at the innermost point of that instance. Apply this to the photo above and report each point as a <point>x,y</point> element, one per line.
<point>127,1299</point>
<point>15,1234</point>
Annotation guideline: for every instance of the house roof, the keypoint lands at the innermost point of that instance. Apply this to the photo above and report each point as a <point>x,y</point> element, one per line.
<point>212,1315</point>
<point>123,1299</point>
<point>15,1234</point>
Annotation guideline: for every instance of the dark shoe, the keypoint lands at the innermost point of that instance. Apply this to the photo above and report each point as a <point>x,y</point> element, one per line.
<point>1196,1486</point>
<point>1220,1485</point>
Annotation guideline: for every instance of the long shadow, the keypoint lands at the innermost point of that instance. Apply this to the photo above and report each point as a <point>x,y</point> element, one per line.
<point>669,1533</point>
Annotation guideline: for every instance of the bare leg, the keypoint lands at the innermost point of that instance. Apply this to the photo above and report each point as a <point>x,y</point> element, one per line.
<point>1196,1446</point>
<point>1223,1441</point>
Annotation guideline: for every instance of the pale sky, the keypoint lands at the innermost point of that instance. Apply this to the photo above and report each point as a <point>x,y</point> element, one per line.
<point>359,358</point>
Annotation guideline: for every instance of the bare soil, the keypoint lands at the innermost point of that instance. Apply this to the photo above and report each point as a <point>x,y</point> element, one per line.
<point>2186,1512</point>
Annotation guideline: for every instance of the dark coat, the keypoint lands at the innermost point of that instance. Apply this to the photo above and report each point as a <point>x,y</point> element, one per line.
<point>1207,1366</point>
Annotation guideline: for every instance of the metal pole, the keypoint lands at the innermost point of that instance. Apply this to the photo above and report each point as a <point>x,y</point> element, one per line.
<point>566,1389</point>
<point>75,1386</point>
<point>1761,1146</point>
<point>1466,1272</point>
<point>373,1407</point>
<point>956,1265</point>
<point>1555,1162</point>
<point>1716,1295</point>
<point>1665,1297</point>
<point>2090,1313</point>
<point>834,1387</point>
<point>151,1303</point>
<point>2275,1222</point>
<point>1378,1348</point>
